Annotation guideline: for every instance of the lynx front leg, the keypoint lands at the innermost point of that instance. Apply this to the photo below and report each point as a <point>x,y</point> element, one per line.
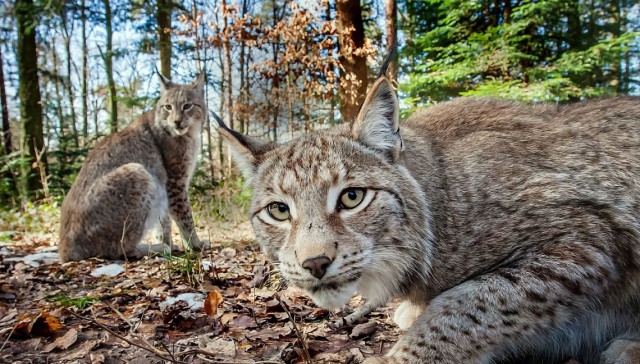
<point>622,351</point>
<point>180,210</point>
<point>506,310</point>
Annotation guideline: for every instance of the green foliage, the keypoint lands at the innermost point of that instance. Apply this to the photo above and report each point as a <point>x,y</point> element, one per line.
<point>532,51</point>
<point>229,200</point>
<point>42,216</point>
<point>186,266</point>
<point>81,303</point>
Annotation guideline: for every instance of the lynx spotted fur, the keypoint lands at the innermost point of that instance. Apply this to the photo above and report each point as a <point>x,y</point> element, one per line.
<point>134,180</point>
<point>510,231</point>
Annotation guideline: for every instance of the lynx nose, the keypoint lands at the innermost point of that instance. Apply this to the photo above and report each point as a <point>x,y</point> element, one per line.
<point>317,266</point>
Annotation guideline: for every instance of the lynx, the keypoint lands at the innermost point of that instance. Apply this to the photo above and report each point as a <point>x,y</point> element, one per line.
<point>509,231</point>
<point>134,180</point>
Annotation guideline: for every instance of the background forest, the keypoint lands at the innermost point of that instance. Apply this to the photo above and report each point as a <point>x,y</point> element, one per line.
<point>75,71</point>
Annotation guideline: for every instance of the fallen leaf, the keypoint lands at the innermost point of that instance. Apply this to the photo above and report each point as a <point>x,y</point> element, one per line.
<point>41,325</point>
<point>214,298</point>
<point>63,342</point>
<point>244,322</point>
<point>363,330</point>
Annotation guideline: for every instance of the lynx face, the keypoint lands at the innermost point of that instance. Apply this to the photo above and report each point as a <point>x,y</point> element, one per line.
<point>330,206</point>
<point>180,107</point>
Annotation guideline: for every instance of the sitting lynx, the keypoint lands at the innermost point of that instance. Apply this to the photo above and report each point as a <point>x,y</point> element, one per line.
<point>132,179</point>
<point>511,231</point>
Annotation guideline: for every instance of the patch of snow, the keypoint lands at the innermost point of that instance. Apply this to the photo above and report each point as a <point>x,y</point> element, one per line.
<point>194,300</point>
<point>110,270</point>
<point>36,259</point>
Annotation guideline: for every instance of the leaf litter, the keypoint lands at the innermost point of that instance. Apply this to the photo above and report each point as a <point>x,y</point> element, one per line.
<point>240,311</point>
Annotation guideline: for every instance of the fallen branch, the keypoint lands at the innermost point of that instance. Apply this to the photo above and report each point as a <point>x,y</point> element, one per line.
<point>303,343</point>
<point>150,348</point>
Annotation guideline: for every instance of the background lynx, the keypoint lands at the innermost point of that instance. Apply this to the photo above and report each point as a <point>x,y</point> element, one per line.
<point>510,231</point>
<point>133,179</point>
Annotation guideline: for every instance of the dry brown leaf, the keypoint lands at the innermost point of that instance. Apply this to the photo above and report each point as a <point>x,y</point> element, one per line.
<point>63,342</point>
<point>41,325</point>
<point>214,298</point>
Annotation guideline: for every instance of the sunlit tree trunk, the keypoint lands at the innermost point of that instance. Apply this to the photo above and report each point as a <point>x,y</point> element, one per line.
<point>349,14</point>
<point>32,143</point>
<point>69,85</point>
<point>108,63</point>
<point>391,10</point>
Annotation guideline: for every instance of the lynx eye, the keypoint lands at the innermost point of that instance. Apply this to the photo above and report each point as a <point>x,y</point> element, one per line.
<point>351,197</point>
<point>167,107</point>
<point>278,211</point>
<point>187,107</point>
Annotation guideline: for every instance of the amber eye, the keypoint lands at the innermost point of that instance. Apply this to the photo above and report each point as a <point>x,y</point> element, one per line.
<point>278,211</point>
<point>351,197</point>
<point>187,106</point>
<point>167,107</point>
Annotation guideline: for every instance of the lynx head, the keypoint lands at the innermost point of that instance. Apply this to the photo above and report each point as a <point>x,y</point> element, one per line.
<point>338,208</point>
<point>181,108</point>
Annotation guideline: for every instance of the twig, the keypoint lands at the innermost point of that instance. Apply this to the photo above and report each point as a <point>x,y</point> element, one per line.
<point>152,350</point>
<point>120,315</point>
<point>307,356</point>
<point>157,352</point>
<point>13,329</point>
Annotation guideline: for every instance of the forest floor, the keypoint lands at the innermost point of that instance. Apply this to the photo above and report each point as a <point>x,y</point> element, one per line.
<point>226,306</point>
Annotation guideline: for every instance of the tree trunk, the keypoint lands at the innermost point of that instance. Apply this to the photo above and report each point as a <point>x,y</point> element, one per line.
<point>7,145</point>
<point>68,84</point>
<point>163,16</point>
<point>242,117</point>
<point>275,82</point>
<point>391,10</point>
<point>32,143</point>
<point>108,64</point>
<point>226,47</point>
<point>85,75</point>
<point>349,14</point>
<point>58,95</point>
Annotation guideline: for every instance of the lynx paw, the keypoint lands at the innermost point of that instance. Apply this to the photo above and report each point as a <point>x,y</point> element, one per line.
<point>406,314</point>
<point>201,245</point>
<point>621,351</point>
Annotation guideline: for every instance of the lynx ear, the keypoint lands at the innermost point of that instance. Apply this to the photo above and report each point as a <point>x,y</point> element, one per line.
<point>164,82</point>
<point>198,83</point>
<point>377,123</point>
<point>246,150</point>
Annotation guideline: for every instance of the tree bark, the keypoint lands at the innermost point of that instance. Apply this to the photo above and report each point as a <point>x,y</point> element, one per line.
<point>349,14</point>
<point>32,143</point>
<point>163,16</point>
<point>226,47</point>
<point>108,64</point>
<point>7,145</point>
<point>391,10</point>
<point>69,85</point>
<point>85,75</point>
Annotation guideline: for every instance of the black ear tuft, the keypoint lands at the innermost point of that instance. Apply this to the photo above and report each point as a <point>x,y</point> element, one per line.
<point>246,150</point>
<point>387,60</point>
<point>164,82</point>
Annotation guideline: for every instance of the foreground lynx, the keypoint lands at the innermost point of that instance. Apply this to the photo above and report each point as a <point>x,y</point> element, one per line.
<point>132,179</point>
<point>511,231</point>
